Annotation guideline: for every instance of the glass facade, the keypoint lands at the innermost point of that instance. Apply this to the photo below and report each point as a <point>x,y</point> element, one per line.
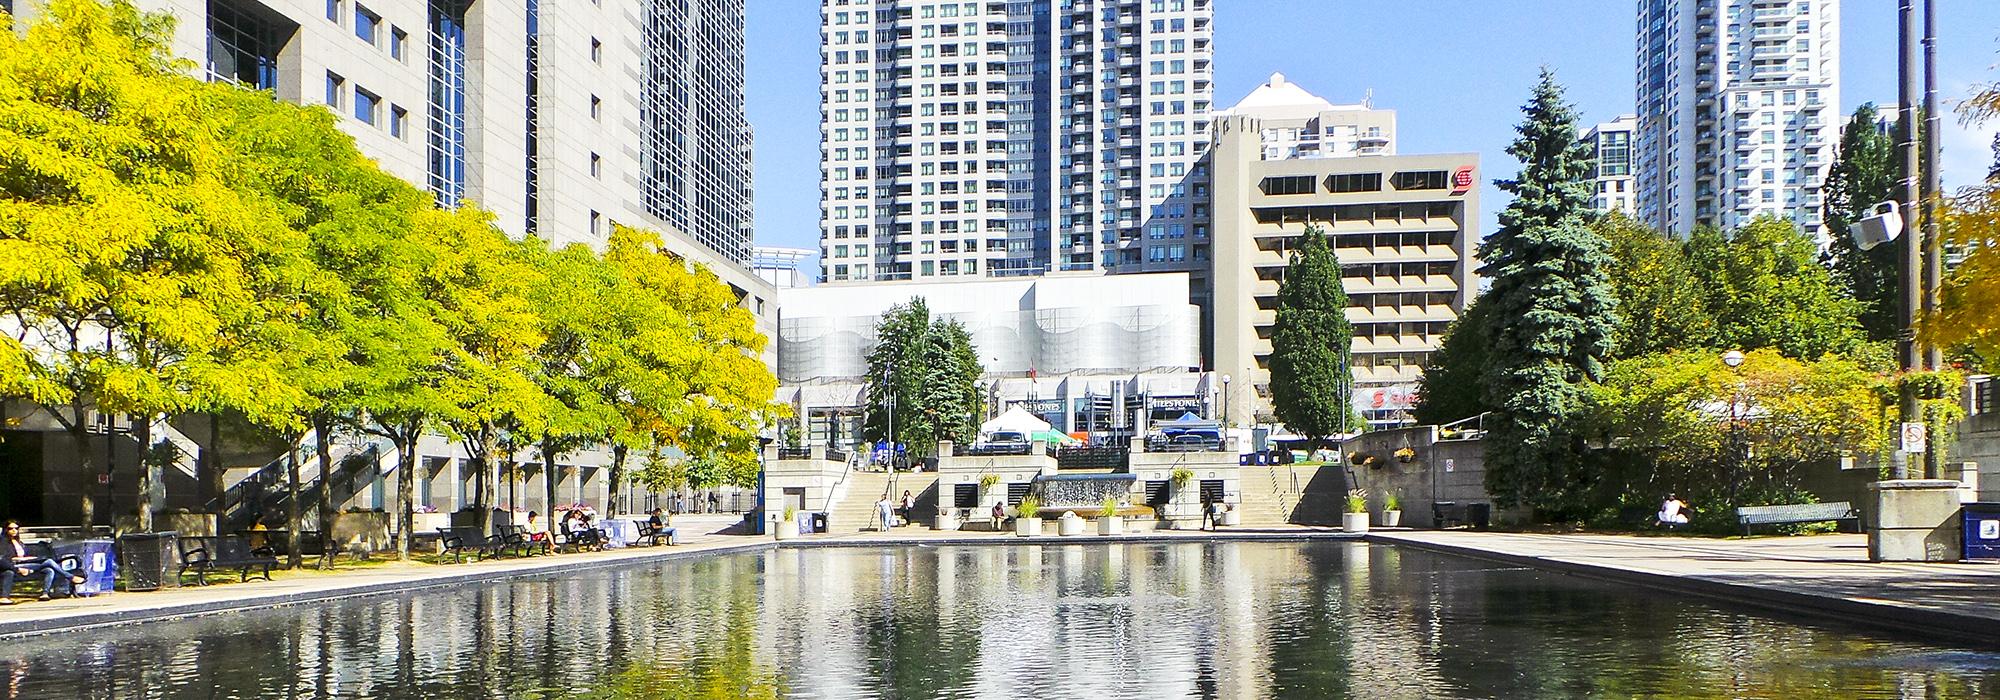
<point>534,41</point>
<point>446,104</point>
<point>243,48</point>
<point>693,124</point>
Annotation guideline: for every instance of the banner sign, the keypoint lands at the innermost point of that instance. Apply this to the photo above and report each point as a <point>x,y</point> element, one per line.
<point>1400,397</point>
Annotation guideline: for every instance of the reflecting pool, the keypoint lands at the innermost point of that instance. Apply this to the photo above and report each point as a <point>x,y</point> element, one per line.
<point>1222,620</point>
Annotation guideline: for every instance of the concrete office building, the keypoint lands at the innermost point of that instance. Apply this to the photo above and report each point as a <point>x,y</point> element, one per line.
<point>1008,138</point>
<point>1084,351</point>
<point>560,118</point>
<point>1611,176</point>
<point>1404,227</point>
<point>1737,108</point>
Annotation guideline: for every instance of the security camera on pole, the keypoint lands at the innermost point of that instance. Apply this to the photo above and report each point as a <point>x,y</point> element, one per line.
<point>1910,519</point>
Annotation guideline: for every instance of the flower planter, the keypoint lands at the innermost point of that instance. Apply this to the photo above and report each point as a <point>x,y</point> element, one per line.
<point>1070,526</point>
<point>946,521</point>
<point>1232,518</point>
<point>1028,527</point>
<point>787,529</point>
<point>1111,525</point>
<point>1354,522</point>
<point>1392,518</point>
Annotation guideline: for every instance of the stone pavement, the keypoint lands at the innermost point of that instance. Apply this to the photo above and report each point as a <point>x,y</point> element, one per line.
<point>1821,575</point>
<point>699,535</point>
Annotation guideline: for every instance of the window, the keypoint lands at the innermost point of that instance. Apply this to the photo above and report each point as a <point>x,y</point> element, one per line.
<point>1422,180</point>
<point>595,219</point>
<point>335,85</point>
<point>596,51</point>
<point>596,107</point>
<point>1287,184</point>
<point>1354,182</point>
<point>367,106</point>
<point>366,24</point>
<point>333,10</point>
<point>596,165</point>
<point>399,42</point>
<point>243,48</point>
<point>398,119</point>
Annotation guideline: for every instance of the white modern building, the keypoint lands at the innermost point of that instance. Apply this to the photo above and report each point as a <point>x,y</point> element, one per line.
<point>1404,228</point>
<point>1077,349</point>
<point>1611,170</point>
<point>782,267</point>
<point>1008,138</point>
<point>1738,111</point>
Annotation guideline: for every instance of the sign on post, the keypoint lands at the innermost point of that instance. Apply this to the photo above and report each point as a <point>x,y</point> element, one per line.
<point>1915,438</point>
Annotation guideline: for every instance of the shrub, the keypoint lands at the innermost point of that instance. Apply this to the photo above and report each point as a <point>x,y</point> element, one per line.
<point>1029,507</point>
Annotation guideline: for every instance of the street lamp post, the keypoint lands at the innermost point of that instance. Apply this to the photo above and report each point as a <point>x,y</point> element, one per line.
<point>1225,402</point>
<point>1738,448</point>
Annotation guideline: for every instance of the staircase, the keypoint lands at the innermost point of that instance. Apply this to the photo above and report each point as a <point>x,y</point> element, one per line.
<point>854,509</point>
<point>1279,494</point>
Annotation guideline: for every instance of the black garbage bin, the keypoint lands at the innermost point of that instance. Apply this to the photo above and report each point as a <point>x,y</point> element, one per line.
<point>149,559</point>
<point>819,523</point>
<point>1982,531</point>
<point>1479,515</point>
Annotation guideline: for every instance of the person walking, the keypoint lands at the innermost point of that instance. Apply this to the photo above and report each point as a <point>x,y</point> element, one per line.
<point>884,513</point>
<point>908,505</point>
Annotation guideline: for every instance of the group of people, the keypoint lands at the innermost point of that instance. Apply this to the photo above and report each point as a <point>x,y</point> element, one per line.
<point>887,514</point>
<point>579,526</point>
<point>23,564</point>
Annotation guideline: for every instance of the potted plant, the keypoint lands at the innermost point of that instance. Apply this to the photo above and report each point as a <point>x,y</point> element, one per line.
<point>1108,520</point>
<point>1406,455</point>
<point>1027,517</point>
<point>1392,508</point>
<point>788,525</point>
<point>1181,476</point>
<point>1356,519</point>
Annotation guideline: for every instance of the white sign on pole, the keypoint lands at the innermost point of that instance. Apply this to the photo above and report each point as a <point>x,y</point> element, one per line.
<point>1915,438</point>
<point>1450,464</point>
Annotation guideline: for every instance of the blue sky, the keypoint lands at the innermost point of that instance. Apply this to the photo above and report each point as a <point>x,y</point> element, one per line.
<point>1455,71</point>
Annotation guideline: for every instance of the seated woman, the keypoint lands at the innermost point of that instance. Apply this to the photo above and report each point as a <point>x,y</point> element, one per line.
<point>1673,512</point>
<point>20,563</point>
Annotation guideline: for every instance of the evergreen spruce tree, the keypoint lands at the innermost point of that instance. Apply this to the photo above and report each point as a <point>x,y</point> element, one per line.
<point>1310,342</point>
<point>1863,174</point>
<point>928,369</point>
<point>1552,309</point>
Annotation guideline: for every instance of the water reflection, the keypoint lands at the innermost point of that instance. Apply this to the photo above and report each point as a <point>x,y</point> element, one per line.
<point>1232,620</point>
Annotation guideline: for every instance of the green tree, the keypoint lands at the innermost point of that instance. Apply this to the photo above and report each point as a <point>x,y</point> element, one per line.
<point>926,371</point>
<point>1552,311</point>
<point>1863,174</point>
<point>1965,317</point>
<point>1453,387</point>
<point>1311,341</point>
<point>1660,302</point>
<point>1767,290</point>
<point>134,265</point>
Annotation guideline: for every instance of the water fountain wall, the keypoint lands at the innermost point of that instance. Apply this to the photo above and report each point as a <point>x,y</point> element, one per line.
<point>1080,491</point>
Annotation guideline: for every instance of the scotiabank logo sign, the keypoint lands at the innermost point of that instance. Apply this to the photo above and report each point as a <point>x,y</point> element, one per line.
<point>1461,180</point>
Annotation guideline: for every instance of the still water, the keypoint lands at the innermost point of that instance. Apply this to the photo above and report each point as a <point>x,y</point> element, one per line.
<point>1223,620</point>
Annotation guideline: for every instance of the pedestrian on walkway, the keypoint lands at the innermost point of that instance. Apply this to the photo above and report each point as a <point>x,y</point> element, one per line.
<point>908,505</point>
<point>884,513</point>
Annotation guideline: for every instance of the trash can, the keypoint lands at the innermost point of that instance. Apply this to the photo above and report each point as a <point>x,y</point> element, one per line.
<point>1479,515</point>
<point>819,523</point>
<point>1982,531</point>
<point>150,560</point>
<point>97,561</point>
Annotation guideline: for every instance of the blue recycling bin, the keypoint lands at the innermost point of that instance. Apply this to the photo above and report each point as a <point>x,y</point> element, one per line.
<point>99,560</point>
<point>1981,536</point>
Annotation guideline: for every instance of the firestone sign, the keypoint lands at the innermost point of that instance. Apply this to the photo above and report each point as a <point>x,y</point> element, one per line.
<point>1461,180</point>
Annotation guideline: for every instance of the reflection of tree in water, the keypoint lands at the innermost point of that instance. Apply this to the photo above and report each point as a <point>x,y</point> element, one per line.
<point>719,661</point>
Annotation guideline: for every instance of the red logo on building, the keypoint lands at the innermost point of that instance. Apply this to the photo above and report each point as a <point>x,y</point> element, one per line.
<point>1461,181</point>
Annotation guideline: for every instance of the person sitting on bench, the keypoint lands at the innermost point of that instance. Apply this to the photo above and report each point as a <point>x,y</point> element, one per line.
<point>1673,513</point>
<point>20,563</point>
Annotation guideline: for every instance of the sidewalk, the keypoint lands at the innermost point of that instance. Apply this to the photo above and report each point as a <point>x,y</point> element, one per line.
<point>1827,576</point>
<point>698,538</point>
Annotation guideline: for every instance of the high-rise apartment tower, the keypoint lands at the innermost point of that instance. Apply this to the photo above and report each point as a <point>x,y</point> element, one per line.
<point>1002,138</point>
<point>1737,110</point>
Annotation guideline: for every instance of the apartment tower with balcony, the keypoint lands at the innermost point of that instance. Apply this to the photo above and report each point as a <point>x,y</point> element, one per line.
<point>1737,105</point>
<point>1403,226</point>
<point>1002,138</point>
<point>1611,186</point>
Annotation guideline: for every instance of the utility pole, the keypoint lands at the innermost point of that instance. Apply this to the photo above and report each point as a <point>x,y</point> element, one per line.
<point>1932,192</point>
<point>1910,297</point>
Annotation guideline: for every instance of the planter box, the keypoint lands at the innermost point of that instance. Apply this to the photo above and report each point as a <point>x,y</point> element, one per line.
<point>1354,522</point>
<point>946,521</point>
<point>1232,518</point>
<point>1111,525</point>
<point>787,529</point>
<point>1028,527</point>
<point>1392,518</point>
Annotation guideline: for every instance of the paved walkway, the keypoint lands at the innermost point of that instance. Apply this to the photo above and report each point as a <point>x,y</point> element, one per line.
<point>1823,575</point>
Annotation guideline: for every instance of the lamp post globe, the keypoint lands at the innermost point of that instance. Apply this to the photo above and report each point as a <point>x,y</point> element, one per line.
<point>1733,358</point>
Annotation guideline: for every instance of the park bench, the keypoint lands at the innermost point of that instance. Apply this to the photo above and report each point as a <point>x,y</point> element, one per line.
<point>69,562</point>
<point>655,535</point>
<point>1445,514</point>
<point>1839,511</point>
<point>201,555</point>
<point>516,538</point>
<point>458,541</point>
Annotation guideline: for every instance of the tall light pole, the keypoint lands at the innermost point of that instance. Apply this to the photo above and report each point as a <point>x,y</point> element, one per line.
<point>1932,191</point>
<point>1911,252</point>
<point>1739,454</point>
<point>1225,404</point>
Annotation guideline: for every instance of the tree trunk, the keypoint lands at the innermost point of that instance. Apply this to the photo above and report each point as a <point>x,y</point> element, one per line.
<point>406,474</point>
<point>210,462</point>
<point>484,492</point>
<point>80,439</point>
<point>293,518</point>
<point>617,477</point>
<point>147,476</point>
<point>549,477</point>
<point>323,441</point>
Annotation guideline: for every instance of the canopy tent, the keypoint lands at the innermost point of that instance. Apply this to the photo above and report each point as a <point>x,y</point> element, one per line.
<point>1054,438</point>
<point>1015,419</point>
<point>1187,421</point>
